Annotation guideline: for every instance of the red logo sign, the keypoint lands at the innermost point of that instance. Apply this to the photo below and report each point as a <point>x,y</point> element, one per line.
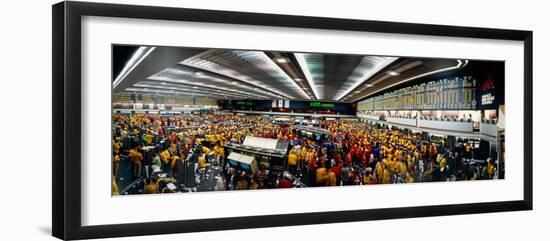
<point>488,84</point>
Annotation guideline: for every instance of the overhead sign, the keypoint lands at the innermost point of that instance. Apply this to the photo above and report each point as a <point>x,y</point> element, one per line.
<point>320,104</point>
<point>487,99</point>
<point>245,102</point>
<point>488,91</point>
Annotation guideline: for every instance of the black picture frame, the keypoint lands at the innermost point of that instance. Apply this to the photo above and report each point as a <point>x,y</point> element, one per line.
<point>66,47</point>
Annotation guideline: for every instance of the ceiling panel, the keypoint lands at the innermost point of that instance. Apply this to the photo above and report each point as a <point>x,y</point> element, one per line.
<point>238,74</point>
<point>312,65</point>
<point>337,69</point>
<point>252,67</point>
<point>203,80</point>
<point>367,67</point>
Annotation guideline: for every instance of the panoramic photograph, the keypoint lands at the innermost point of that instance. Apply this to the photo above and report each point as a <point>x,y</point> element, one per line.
<point>198,120</point>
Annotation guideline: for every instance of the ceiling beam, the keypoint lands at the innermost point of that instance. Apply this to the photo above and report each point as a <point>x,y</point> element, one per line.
<point>302,63</point>
<point>174,85</point>
<point>365,71</point>
<point>200,63</point>
<point>157,60</point>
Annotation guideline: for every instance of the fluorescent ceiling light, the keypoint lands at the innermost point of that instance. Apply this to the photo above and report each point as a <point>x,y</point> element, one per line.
<point>185,89</point>
<point>393,73</point>
<point>305,69</point>
<point>281,60</point>
<point>131,64</point>
<point>368,67</point>
<point>369,85</point>
<point>173,76</point>
<point>198,62</point>
<point>264,63</point>
<point>187,93</point>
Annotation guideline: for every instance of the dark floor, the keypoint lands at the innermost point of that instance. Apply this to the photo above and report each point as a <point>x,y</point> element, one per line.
<point>208,181</point>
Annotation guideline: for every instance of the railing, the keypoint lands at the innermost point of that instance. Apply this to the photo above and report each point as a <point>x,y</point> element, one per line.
<point>488,128</point>
<point>446,124</point>
<point>370,117</point>
<point>294,114</point>
<point>410,121</point>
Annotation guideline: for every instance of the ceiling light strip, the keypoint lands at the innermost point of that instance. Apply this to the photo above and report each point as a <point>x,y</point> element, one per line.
<point>385,61</point>
<point>281,72</point>
<point>198,62</point>
<point>187,93</point>
<point>146,90</point>
<point>201,90</point>
<point>220,70</point>
<point>161,77</point>
<point>138,56</point>
<point>303,65</point>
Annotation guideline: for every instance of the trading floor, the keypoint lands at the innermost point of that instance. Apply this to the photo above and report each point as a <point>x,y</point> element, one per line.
<point>191,120</point>
<point>166,153</point>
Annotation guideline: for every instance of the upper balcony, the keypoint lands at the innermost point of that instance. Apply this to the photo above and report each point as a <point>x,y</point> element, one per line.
<point>486,129</point>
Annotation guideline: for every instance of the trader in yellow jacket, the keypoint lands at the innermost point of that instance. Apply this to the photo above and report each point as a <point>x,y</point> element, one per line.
<point>152,187</point>
<point>205,150</point>
<point>386,177</point>
<point>136,158</point>
<point>202,161</point>
<point>174,162</point>
<point>173,147</point>
<point>216,151</point>
<point>116,147</point>
<point>379,170</point>
<point>331,178</point>
<point>303,153</point>
<point>321,176</point>
<point>114,187</point>
<point>292,160</point>
<point>165,157</point>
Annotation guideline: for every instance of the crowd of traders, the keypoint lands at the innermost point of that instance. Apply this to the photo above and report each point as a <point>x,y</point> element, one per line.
<point>353,153</point>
